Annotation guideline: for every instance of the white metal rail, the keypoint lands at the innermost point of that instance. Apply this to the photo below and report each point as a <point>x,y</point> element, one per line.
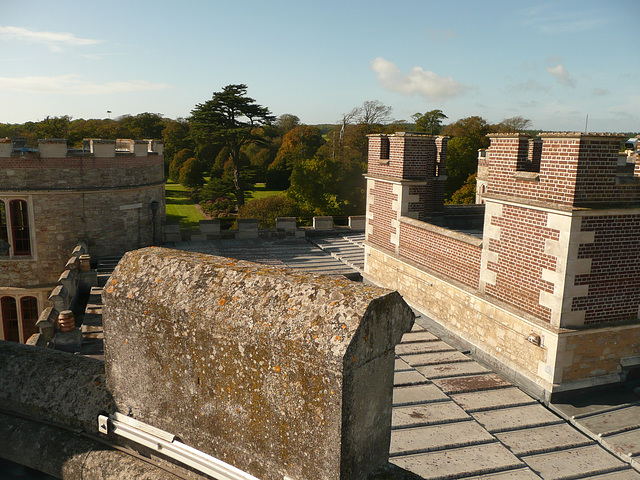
<point>166,443</point>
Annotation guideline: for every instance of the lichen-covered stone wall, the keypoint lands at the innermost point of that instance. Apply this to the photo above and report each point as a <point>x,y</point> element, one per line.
<point>274,371</point>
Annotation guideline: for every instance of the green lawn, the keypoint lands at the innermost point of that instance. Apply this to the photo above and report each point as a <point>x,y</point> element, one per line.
<point>180,208</point>
<point>260,192</point>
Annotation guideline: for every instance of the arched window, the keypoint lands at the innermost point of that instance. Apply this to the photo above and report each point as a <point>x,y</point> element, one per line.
<point>10,319</point>
<point>29,311</point>
<point>19,318</point>
<point>20,227</point>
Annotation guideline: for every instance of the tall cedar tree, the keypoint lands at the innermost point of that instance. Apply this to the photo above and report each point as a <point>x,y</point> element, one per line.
<point>230,118</point>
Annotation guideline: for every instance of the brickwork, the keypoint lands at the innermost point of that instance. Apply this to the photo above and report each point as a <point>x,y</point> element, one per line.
<point>575,170</point>
<point>456,258</point>
<point>559,248</point>
<point>518,258</point>
<point>381,217</point>
<point>613,281</point>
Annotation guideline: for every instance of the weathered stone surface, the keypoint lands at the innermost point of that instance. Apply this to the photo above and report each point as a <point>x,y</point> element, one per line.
<point>429,414</point>
<point>492,399</point>
<point>612,422</point>
<point>543,439</point>
<point>438,437</point>
<point>472,383</point>
<point>417,394</point>
<point>451,369</point>
<point>574,463</point>
<point>516,417</point>
<point>460,462</point>
<point>423,347</point>
<point>65,454</point>
<point>273,371</point>
<point>63,388</point>
<point>409,377</point>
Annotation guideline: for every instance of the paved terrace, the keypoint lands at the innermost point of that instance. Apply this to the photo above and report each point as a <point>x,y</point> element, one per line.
<point>454,418</point>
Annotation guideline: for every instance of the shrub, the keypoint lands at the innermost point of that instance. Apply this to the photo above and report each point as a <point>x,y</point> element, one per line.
<point>267,209</point>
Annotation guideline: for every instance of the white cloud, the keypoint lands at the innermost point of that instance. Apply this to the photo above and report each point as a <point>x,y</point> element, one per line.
<point>417,81</point>
<point>55,41</point>
<point>550,19</point>
<point>600,92</point>
<point>72,84</point>
<point>561,75</point>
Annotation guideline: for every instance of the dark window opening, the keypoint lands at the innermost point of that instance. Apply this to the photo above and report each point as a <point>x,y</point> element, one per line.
<point>385,148</point>
<point>4,232</point>
<point>20,227</point>
<point>10,319</point>
<point>29,307</point>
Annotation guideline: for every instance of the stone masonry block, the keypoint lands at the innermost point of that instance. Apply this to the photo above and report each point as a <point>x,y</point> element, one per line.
<point>210,227</point>
<point>288,224</point>
<point>281,373</point>
<point>323,223</point>
<point>60,298</point>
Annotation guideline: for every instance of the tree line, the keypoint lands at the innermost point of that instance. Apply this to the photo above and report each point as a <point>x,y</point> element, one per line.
<point>229,143</point>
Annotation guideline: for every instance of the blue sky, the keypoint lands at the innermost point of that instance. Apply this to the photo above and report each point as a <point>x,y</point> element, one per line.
<point>552,62</point>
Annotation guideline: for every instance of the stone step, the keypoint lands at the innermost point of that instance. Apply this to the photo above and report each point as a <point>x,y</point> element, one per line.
<point>435,358</point>
<point>423,347</point>
<point>486,400</point>
<point>616,421</point>
<point>427,414</point>
<point>520,474</point>
<point>401,366</point>
<point>471,383</point>
<point>626,443</point>
<point>533,441</point>
<point>516,418</point>
<point>408,441</point>
<point>418,334</point>
<point>575,463</point>
<point>416,394</point>
<point>460,462</point>
<point>446,370</point>
<point>409,377</point>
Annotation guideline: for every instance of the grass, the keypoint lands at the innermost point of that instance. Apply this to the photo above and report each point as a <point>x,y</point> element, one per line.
<point>180,208</point>
<point>260,191</point>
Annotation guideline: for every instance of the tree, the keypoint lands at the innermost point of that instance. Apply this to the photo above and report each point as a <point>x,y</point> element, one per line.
<point>430,122</point>
<point>230,118</point>
<point>465,194</point>
<point>191,173</point>
<point>299,143</point>
<point>178,161</point>
<point>514,125</point>
<point>374,112</point>
<point>286,122</point>
<point>469,135</point>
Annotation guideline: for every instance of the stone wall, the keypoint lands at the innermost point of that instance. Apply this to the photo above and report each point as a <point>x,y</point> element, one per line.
<point>104,201</point>
<point>276,372</point>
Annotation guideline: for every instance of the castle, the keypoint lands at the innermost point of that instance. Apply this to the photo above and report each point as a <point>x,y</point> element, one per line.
<point>109,194</point>
<point>547,288</point>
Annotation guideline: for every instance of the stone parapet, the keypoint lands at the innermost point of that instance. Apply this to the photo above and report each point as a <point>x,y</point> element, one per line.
<point>279,373</point>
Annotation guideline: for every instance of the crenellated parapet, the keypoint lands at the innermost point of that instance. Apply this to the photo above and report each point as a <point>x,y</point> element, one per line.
<point>564,169</point>
<point>49,148</point>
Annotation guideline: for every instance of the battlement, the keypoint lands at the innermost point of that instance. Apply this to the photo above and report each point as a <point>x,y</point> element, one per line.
<point>407,155</point>
<point>566,169</point>
<point>57,148</point>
